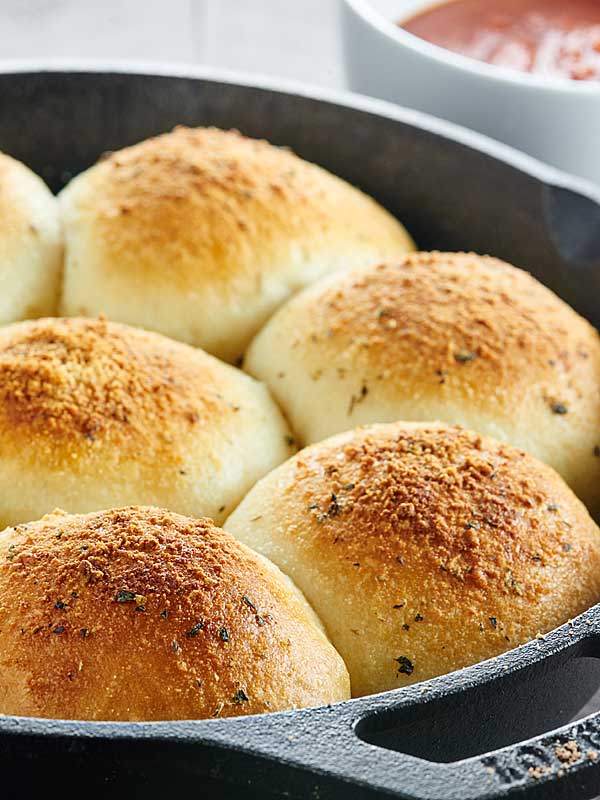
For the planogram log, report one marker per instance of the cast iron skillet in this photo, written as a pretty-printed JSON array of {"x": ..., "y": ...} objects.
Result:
[{"x": 477, "y": 733}]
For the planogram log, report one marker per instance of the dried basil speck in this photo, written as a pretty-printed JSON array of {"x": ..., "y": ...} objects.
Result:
[
  {"x": 239, "y": 698},
  {"x": 260, "y": 621},
  {"x": 419, "y": 617},
  {"x": 493, "y": 621},
  {"x": 58, "y": 629},
  {"x": 334, "y": 507},
  {"x": 125, "y": 596},
  {"x": 195, "y": 630},
  {"x": 249, "y": 603},
  {"x": 290, "y": 441},
  {"x": 597, "y": 451},
  {"x": 223, "y": 634},
  {"x": 405, "y": 626},
  {"x": 355, "y": 399},
  {"x": 84, "y": 633},
  {"x": 558, "y": 408},
  {"x": 464, "y": 356},
  {"x": 406, "y": 666},
  {"x": 164, "y": 613},
  {"x": 60, "y": 605}
]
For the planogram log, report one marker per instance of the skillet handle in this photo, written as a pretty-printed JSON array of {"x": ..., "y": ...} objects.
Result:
[
  {"x": 562, "y": 764},
  {"x": 319, "y": 753}
]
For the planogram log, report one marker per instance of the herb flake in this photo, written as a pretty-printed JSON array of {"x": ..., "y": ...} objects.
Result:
[{"x": 406, "y": 666}]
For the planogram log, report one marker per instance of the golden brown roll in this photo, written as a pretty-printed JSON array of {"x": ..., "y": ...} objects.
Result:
[
  {"x": 423, "y": 547},
  {"x": 201, "y": 233},
  {"x": 142, "y": 614},
  {"x": 441, "y": 336},
  {"x": 94, "y": 414},
  {"x": 30, "y": 244}
]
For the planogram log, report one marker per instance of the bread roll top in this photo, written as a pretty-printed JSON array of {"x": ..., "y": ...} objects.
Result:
[
  {"x": 94, "y": 413},
  {"x": 30, "y": 244},
  {"x": 211, "y": 231},
  {"x": 142, "y": 614},
  {"x": 441, "y": 336},
  {"x": 423, "y": 547}
]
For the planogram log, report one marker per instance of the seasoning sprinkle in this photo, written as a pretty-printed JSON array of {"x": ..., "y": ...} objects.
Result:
[
  {"x": 406, "y": 666},
  {"x": 355, "y": 399},
  {"x": 558, "y": 408},
  {"x": 224, "y": 634},
  {"x": 125, "y": 596},
  {"x": 493, "y": 621},
  {"x": 58, "y": 629},
  {"x": 195, "y": 630},
  {"x": 240, "y": 697},
  {"x": 249, "y": 603},
  {"x": 464, "y": 356}
]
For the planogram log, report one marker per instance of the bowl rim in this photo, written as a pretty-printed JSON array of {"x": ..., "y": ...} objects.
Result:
[
  {"x": 365, "y": 10},
  {"x": 511, "y": 156}
]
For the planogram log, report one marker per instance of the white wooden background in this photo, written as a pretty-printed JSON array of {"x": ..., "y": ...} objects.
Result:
[{"x": 290, "y": 38}]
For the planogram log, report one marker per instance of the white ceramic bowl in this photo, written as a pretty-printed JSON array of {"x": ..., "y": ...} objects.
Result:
[{"x": 556, "y": 120}]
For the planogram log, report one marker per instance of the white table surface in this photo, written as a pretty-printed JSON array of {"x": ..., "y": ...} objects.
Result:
[
  {"x": 296, "y": 39},
  {"x": 289, "y": 38}
]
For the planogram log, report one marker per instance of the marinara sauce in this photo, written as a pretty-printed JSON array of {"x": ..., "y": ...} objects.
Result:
[{"x": 558, "y": 38}]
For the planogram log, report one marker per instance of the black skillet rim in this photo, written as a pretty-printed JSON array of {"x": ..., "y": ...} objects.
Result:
[{"x": 232, "y": 734}]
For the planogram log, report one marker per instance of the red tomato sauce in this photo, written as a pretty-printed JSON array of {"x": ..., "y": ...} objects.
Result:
[{"x": 559, "y": 38}]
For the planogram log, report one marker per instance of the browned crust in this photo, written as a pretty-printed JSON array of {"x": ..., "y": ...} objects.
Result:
[
  {"x": 139, "y": 613},
  {"x": 427, "y": 542},
  {"x": 459, "y": 325},
  {"x": 230, "y": 205},
  {"x": 73, "y": 384}
]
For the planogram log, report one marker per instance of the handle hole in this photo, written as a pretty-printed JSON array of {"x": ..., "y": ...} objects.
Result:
[{"x": 508, "y": 709}]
